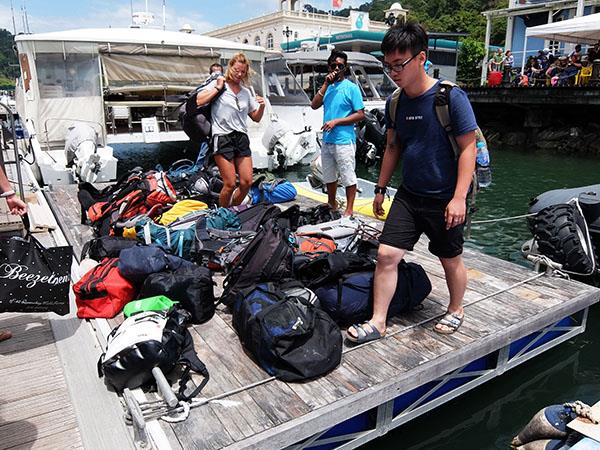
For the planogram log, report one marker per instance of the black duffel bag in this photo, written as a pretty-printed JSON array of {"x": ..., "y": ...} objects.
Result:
[
  {"x": 190, "y": 285},
  {"x": 349, "y": 299},
  {"x": 106, "y": 247},
  {"x": 287, "y": 334}
]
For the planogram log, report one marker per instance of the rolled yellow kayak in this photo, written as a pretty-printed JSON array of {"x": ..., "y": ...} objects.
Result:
[{"x": 362, "y": 206}]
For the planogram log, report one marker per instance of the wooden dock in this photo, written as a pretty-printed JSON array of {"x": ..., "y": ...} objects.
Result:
[
  {"x": 509, "y": 318},
  {"x": 51, "y": 397}
]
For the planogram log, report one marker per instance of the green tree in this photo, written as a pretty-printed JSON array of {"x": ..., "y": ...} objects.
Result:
[
  {"x": 459, "y": 16},
  {"x": 469, "y": 61},
  {"x": 9, "y": 64}
]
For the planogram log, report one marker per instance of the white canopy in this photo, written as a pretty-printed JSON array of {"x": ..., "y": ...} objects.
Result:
[{"x": 580, "y": 30}]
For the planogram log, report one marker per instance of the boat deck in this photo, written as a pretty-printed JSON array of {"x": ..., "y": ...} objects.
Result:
[{"x": 503, "y": 306}]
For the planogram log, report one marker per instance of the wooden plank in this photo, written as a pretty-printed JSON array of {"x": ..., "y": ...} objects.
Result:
[
  {"x": 224, "y": 342},
  {"x": 65, "y": 440},
  {"x": 24, "y": 339},
  {"x": 247, "y": 418},
  {"x": 585, "y": 426},
  {"x": 8, "y": 221},
  {"x": 96, "y": 407},
  {"x": 44, "y": 425},
  {"x": 34, "y": 405},
  {"x": 210, "y": 435}
]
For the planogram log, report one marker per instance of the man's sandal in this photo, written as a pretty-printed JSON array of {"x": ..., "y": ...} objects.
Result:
[
  {"x": 365, "y": 332},
  {"x": 451, "y": 321}
]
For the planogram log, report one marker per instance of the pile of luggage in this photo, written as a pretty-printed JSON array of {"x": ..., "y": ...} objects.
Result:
[{"x": 291, "y": 276}]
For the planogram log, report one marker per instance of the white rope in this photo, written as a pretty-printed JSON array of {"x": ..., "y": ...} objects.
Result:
[
  {"x": 424, "y": 321},
  {"x": 582, "y": 410},
  {"x": 181, "y": 416},
  {"x": 502, "y": 219}
]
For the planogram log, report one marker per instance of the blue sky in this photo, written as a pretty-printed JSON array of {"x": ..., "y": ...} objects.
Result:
[{"x": 203, "y": 15}]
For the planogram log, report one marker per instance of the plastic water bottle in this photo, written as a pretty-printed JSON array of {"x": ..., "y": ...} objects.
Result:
[{"x": 484, "y": 173}]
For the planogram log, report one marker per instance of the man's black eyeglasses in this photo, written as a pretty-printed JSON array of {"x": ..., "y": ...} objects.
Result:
[
  {"x": 337, "y": 66},
  {"x": 398, "y": 67}
]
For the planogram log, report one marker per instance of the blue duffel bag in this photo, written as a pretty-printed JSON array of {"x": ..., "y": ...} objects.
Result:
[
  {"x": 281, "y": 326},
  {"x": 349, "y": 300},
  {"x": 136, "y": 263},
  {"x": 276, "y": 191}
]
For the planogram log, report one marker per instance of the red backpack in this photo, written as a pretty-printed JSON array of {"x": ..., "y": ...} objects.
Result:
[
  {"x": 137, "y": 196},
  {"x": 160, "y": 189},
  {"x": 103, "y": 292}
]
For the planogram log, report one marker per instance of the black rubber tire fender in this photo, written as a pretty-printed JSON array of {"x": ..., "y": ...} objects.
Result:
[{"x": 560, "y": 234}]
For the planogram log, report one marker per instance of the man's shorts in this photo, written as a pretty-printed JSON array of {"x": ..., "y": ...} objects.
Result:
[
  {"x": 232, "y": 145},
  {"x": 339, "y": 158},
  {"x": 411, "y": 215}
]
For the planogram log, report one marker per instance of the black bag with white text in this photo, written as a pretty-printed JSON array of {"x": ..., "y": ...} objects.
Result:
[{"x": 34, "y": 278}]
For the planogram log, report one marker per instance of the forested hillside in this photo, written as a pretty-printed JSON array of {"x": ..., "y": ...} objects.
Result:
[
  {"x": 463, "y": 16},
  {"x": 9, "y": 68},
  {"x": 439, "y": 15}
]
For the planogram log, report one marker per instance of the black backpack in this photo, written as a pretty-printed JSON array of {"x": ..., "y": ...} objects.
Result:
[
  {"x": 195, "y": 120},
  {"x": 310, "y": 216},
  {"x": 253, "y": 217},
  {"x": 106, "y": 247},
  {"x": 190, "y": 285},
  {"x": 268, "y": 257},
  {"x": 329, "y": 267},
  {"x": 147, "y": 340},
  {"x": 289, "y": 337}
]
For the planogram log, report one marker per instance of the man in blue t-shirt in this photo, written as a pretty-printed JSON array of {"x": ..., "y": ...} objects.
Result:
[
  {"x": 343, "y": 107},
  {"x": 435, "y": 181}
]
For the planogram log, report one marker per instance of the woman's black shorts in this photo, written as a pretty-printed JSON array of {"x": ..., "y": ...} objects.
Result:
[
  {"x": 411, "y": 215},
  {"x": 232, "y": 145}
]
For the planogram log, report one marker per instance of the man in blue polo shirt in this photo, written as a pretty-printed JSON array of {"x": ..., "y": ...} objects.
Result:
[
  {"x": 343, "y": 107},
  {"x": 435, "y": 181}
]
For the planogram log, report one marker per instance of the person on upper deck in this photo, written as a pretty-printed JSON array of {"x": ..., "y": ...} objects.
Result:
[
  {"x": 232, "y": 103},
  {"x": 435, "y": 182},
  {"x": 215, "y": 69}
]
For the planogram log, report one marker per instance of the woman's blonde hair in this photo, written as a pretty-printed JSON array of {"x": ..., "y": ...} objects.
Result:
[{"x": 239, "y": 58}]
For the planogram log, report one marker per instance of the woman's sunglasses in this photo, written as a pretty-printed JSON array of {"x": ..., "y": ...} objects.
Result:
[{"x": 338, "y": 66}]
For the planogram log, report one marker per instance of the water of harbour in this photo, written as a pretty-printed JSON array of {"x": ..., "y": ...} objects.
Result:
[{"x": 490, "y": 415}]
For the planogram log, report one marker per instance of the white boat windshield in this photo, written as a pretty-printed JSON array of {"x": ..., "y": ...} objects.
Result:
[
  {"x": 296, "y": 81},
  {"x": 283, "y": 89}
]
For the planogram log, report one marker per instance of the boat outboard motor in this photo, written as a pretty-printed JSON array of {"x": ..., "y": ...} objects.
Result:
[
  {"x": 81, "y": 143},
  {"x": 285, "y": 147},
  {"x": 370, "y": 138}
]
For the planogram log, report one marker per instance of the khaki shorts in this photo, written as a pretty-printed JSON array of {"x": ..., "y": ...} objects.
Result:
[{"x": 339, "y": 159}]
